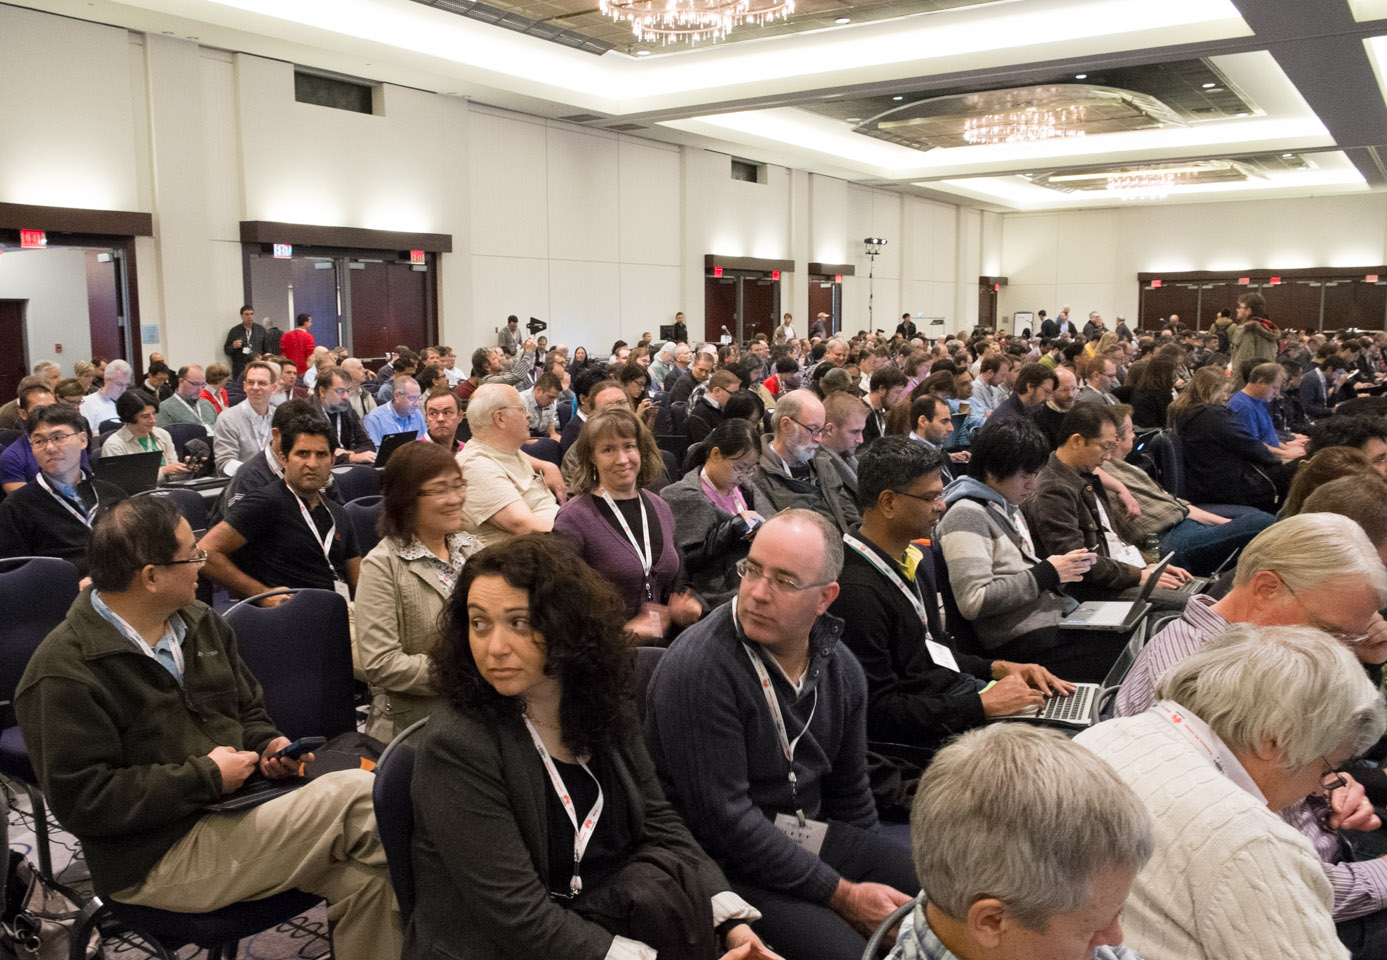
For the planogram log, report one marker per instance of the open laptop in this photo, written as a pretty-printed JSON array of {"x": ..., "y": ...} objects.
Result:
[
  {"x": 1197, "y": 584},
  {"x": 392, "y": 442},
  {"x": 1116, "y": 614},
  {"x": 132, "y": 472}
]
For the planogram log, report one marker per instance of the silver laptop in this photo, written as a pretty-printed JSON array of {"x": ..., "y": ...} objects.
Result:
[
  {"x": 1075, "y": 710},
  {"x": 1116, "y": 614},
  {"x": 1197, "y": 584}
]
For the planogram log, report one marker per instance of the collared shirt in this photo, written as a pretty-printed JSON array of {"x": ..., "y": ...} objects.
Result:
[
  {"x": 168, "y": 652},
  {"x": 445, "y": 573},
  {"x": 1178, "y": 640},
  {"x": 383, "y": 421},
  {"x": 916, "y": 941},
  {"x": 541, "y": 418},
  {"x": 1255, "y": 417},
  {"x": 98, "y": 408},
  {"x": 986, "y": 396}
]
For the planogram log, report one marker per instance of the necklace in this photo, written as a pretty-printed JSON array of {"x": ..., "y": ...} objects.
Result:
[{"x": 540, "y": 723}]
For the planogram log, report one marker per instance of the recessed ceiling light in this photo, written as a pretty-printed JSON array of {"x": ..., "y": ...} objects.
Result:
[
  {"x": 1210, "y": 86},
  {"x": 1287, "y": 156},
  {"x": 843, "y": 20},
  {"x": 642, "y": 53},
  {"x": 1080, "y": 76},
  {"x": 859, "y": 120},
  {"x": 1243, "y": 114},
  {"x": 898, "y": 98}
]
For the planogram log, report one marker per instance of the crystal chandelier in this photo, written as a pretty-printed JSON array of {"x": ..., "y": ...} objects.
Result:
[
  {"x": 1024, "y": 126},
  {"x": 670, "y": 21},
  {"x": 1142, "y": 184}
]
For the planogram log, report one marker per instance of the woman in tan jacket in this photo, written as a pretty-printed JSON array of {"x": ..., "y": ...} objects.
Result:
[{"x": 406, "y": 581}]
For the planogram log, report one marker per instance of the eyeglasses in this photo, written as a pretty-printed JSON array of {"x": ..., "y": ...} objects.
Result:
[
  {"x": 1332, "y": 779},
  {"x": 814, "y": 432},
  {"x": 444, "y": 489},
  {"x": 933, "y": 498},
  {"x": 201, "y": 558},
  {"x": 1107, "y": 447},
  {"x": 752, "y": 571},
  {"x": 38, "y": 443},
  {"x": 1338, "y": 633}
]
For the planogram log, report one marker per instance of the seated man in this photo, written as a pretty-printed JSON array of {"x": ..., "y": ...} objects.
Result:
[
  {"x": 540, "y": 406},
  {"x": 1032, "y": 388},
  {"x": 1087, "y": 837},
  {"x": 932, "y": 426},
  {"x": 887, "y": 386},
  {"x": 1050, "y": 414},
  {"x": 1099, "y": 381},
  {"x": 443, "y": 414},
  {"x": 1364, "y": 432},
  {"x": 793, "y": 473},
  {"x": 705, "y": 413},
  {"x": 398, "y": 415},
  {"x": 506, "y": 495},
  {"x": 587, "y": 386},
  {"x": 331, "y": 401},
  {"x": 266, "y": 468},
  {"x": 17, "y": 463},
  {"x": 100, "y": 407},
  {"x": 52, "y": 516},
  {"x": 1071, "y": 511},
  {"x": 920, "y": 691},
  {"x": 845, "y": 418},
  {"x": 244, "y": 429},
  {"x": 1263, "y": 385},
  {"x": 1200, "y": 540},
  {"x": 287, "y": 534},
  {"x": 125, "y": 764},
  {"x": 187, "y": 404},
  {"x": 756, "y": 719}
]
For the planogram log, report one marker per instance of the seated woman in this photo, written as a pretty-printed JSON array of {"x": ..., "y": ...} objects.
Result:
[
  {"x": 1153, "y": 387},
  {"x": 137, "y": 411},
  {"x": 1329, "y": 463},
  {"x": 715, "y": 514},
  {"x": 1223, "y": 463},
  {"x": 537, "y": 809},
  {"x": 626, "y": 535},
  {"x": 1215, "y": 760},
  {"x": 1011, "y": 596},
  {"x": 405, "y": 583},
  {"x": 215, "y": 391}
]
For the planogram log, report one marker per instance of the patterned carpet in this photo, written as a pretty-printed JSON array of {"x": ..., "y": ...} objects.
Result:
[{"x": 304, "y": 938}]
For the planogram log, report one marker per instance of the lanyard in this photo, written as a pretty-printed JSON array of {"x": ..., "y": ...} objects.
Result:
[
  {"x": 1199, "y": 733},
  {"x": 737, "y": 502},
  {"x": 581, "y": 833},
  {"x": 194, "y": 408},
  {"x": 871, "y": 556},
  {"x": 787, "y": 745},
  {"x": 85, "y": 518},
  {"x": 646, "y": 556},
  {"x": 324, "y": 541}
]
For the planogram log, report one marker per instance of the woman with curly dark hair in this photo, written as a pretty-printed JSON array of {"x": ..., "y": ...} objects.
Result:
[{"x": 540, "y": 826}]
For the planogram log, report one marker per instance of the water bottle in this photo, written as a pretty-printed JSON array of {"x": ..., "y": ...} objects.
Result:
[{"x": 1151, "y": 548}]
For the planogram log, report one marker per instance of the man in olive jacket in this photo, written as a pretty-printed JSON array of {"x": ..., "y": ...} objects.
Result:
[{"x": 138, "y": 713}]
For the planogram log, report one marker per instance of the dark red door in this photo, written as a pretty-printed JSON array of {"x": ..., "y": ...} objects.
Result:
[
  {"x": 103, "y": 307},
  {"x": 822, "y": 299},
  {"x": 719, "y": 306},
  {"x": 389, "y": 308},
  {"x": 12, "y": 361},
  {"x": 759, "y": 303}
]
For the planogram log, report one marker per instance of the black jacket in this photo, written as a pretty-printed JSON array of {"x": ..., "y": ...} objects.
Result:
[
  {"x": 257, "y": 339},
  {"x": 1223, "y": 462},
  {"x": 34, "y": 524},
  {"x": 348, "y": 433},
  {"x": 703, "y": 418},
  {"x": 1064, "y": 516},
  {"x": 1149, "y": 408}
]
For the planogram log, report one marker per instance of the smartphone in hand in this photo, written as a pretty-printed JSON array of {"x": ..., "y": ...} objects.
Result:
[{"x": 299, "y": 747}]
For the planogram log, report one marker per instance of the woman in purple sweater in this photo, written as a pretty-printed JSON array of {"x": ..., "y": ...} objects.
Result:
[{"x": 625, "y": 534}]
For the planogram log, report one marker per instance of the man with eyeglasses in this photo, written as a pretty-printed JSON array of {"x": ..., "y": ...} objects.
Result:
[
  {"x": 756, "y": 719},
  {"x": 920, "y": 690},
  {"x": 332, "y": 401},
  {"x": 100, "y": 407},
  {"x": 52, "y": 516},
  {"x": 398, "y": 415},
  {"x": 506, "y": 495},
  {"x": 1071, "y": 511},
  {"x": 794, "y": 472},
  {"x": 1097, "y": 388},
  {"x": 244, "y": 429},
  {"x": 139, "y": 713},
  {"x": 17, "y": 464},
  {"x": 187, "y": 405}
]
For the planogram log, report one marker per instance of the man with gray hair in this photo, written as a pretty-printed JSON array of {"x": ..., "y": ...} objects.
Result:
[
  {"x": 101, "y": 406},
  {"x": 794, "y": 472},
  {"x": 756, "y": 720},
  {"x": 358, "y": 399},
  {"x": 1027, "y": 845},
  {"x": 1249, "y": 725},
  {"x": 663, "y": 364},
  {"x": 506, "y": 496},
  {"x": 49, "y": 372}
]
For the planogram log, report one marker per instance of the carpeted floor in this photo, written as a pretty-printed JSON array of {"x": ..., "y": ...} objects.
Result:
[{"x": 304, "y": 938}]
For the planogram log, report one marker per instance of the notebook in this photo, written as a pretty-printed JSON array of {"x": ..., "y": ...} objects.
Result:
[
  {"x": 1116, "y": 614},
  {"x": 132, "y": 472}
]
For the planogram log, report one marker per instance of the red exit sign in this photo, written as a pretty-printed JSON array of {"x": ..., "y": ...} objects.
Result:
[
  {"x": 416, "y": 256},
  {"x": 284, "y": 251},
  {"x": 33, "y": 239}
]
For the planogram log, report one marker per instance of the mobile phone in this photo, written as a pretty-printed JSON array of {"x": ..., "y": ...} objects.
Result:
[{"x": 299, "y": 747}]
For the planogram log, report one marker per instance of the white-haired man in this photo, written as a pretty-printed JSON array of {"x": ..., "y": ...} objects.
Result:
[
  {"x": 791, "y": 471},
  {"x": 101, "y": 406},
  {"x": 506, "y": 495}
]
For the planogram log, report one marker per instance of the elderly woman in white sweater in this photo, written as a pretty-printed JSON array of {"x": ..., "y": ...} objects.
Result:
[{"x": 1257, "y": 720}]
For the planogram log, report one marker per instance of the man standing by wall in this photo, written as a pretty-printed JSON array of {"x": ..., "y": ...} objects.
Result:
[{"x": 245, "y": 341}]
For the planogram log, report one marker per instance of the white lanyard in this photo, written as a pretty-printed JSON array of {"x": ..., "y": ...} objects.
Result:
[
  {"x": 324, "y": 541},
  {"x": 67, "y": 504},
  {"x": 194, "y": 408},
  {"x": 870, "y": 555},
  {"x": 647, "y": 556},
  {"x": 581, "y": 833},
  {"x": 1199, "y": 733},
  {"x": 787, "y": 745},
  {"x": 175, "y": 648}
]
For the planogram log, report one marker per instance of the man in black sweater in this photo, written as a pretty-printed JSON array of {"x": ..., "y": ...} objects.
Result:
[
  {"x": 52, "y": 516},
  {"x": 920, "y": 691}
]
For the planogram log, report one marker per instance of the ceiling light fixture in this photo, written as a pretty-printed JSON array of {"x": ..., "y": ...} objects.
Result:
[
  {"x": 1080, "y": 76},
  {"x": 672, "y": 21},
  {"x": 1210, "y": 86},
  {"x": 1142, "y": 184},
  {"x": 843, "y": 20},
  {"x": 1025, "y": 126}
]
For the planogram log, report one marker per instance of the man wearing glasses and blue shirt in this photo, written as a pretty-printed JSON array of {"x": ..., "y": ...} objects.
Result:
[
  {"x": 51, "y": 517},
  {"x": 400, "y": 415},
  {"x": 794, "y": 472}
]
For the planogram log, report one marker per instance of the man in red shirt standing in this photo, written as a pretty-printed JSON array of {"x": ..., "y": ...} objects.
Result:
[{"x": 298, "y": 343}]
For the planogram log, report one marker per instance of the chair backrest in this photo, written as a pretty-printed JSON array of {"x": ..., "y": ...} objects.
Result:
[
  {"x": 1169, "y": 463},
  {"x": 960, "y": 630},
  {"x": 301, "y": 653},
  {"x": 35, "y": 593},
  {"x": 109, "y": 426},
  {"x": 189, "y": 503},
  {"x": 181, "y": 433},
  {"x": 647, "y": 659},
  {"x": 357, "y": 481},
  {"x": 394, "y": 803},
  {"x": 363, "y": 514}
]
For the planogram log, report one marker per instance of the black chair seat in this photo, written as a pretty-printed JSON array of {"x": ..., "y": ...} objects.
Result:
[
  {"x": 14, "y": 756},
  {"x": 229, "y": 924}
]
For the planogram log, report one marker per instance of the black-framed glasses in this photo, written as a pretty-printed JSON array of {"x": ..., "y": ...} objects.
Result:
[
  {"x": 199, "y": 559},
  {"x": 38, "y": 443},
  {"x": 1332, "y": 779},
  {"x": 814, "y": 432},
  {"x": 932, "y": 499},
  {"x": 751, "y": 571}
]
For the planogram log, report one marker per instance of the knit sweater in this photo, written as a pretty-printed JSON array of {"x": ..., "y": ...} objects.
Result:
[
  {"x": 1004, "y": 589},
  {"x": 1229, "y": 879}
]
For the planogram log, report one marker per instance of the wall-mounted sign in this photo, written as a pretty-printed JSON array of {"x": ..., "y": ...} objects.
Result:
[
  {"x": 1244, "y": 281},
  {"x": 1155, "y": 284},
  {"x": 416, "y": 256},
  {"x": 33, "y": 239},
  {"x": 284, "y": 251},
  {"x": 1371, "y": 278}
]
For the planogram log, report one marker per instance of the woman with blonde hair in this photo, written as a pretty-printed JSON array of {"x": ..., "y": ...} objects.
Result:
[{"x": 1328, "y": 464}]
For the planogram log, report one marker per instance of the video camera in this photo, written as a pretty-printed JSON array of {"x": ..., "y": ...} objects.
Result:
[{"x": 536, "y": 326}]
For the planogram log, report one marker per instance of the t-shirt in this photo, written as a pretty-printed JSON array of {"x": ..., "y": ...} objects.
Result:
[
  {"x": 1255, "y": 418},
  {"x": 495, "y": 480},
  {"x": 280, "y": 551}
]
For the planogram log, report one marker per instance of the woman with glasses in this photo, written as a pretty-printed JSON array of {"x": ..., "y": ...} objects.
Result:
[
  {"x": 70, "y": 391},
  {"x": 626, "y": 534},
  {"x": 137, "y": 411},
  {"x": 1216, "y": 760},
  {"x": 716, "y": 512},
  {"x": 540, "y": 826},
  {"x": 406, "y": 581}
]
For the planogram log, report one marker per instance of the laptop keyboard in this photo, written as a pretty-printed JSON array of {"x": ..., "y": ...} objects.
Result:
[{"x": 1076, "y": 707}]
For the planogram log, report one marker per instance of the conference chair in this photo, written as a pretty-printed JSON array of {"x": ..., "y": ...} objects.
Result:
[
  {"x": 181, "y": 433},
  {"x": 959, "y": 628},
  {"x": 301, "y": 653},
  {"x": 900, "y": 913},
  {"x": 109, "y": 426},
  {"x": 391, "y": 795},
  {"x": 35, "y": 593},
  {"x": 357, "y": 481},
  {"x": 363, "y": 514},
  {"x": 190, "y": 504}
]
